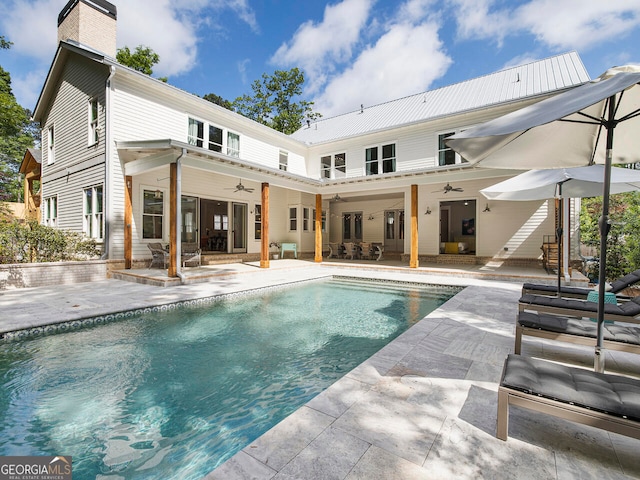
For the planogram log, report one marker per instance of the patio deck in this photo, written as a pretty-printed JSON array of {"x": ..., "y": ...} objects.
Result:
[{"x": 422, "y": 407}]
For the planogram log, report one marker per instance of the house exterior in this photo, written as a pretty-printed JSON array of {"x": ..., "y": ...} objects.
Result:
[{"x": 119, "y": 149}]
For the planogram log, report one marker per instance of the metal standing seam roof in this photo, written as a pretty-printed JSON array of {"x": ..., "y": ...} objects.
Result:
[{"x": 513, "y": 84}]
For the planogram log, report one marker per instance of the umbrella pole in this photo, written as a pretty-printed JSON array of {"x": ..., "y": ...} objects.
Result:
[
  {"x": 604, "y": 232},
  {"x": 559, "y": 236}
]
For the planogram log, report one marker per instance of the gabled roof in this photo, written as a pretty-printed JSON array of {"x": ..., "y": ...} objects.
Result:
[
  {"x": 529, "y": 81},
  {"x": 31, "y": 161}
]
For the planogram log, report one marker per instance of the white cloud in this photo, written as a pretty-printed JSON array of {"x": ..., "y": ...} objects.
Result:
[
  {"x": 565, "y": 25},
  {"x": 403, "y": 61},
  {"x": 317, "y": 47}
]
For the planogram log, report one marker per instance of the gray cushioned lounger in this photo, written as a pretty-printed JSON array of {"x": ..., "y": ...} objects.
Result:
[
  {"x": 610, "y": 402},
  {"x": 623, "y": 312},
  {"x": 616, "y": 337},
  {"x": 581, "y": 292}
]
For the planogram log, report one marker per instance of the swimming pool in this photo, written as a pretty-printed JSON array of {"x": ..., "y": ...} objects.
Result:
[{"x": 174, "y": 393}]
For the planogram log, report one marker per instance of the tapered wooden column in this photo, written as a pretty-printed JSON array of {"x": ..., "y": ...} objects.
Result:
[
  {"x": 264, "y": 239},
  {"x": 318, "y": 220},
  {"x": 173, "y": 219},
  {"x": 413, "y": 262},
  {"x": 128, "y": 222}
]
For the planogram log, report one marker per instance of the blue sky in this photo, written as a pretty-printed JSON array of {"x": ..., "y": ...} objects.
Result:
[{"x": 352, "y": 51}]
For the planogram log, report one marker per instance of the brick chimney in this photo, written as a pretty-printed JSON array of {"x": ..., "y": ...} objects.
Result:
[{"x": 91, "y": 23}]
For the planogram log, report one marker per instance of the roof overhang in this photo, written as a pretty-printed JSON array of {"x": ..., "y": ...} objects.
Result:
[{"x": 147, "y": 155}]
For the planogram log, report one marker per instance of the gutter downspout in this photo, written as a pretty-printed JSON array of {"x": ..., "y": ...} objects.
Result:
[
  {"x": 107, "y": 163},
  {"x": 179, "y": 214}
]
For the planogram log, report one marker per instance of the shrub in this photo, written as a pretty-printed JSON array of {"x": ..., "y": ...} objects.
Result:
[{"x": 26, "y": 242}]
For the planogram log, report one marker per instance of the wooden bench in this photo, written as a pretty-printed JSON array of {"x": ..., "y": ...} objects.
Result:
[
  {"x": 289, "y": 247},
  {"x": 601, "y": 400}
]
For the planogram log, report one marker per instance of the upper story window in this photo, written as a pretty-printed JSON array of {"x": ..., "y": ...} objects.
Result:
[
  {"x": 92, "y": 215},
  {"x": 51, "y": 146},
  {"x": 333, "y": 166},
  {"x": 233, "y": 144},
  {"x": 51, "y": 211},
  {"x": 446, "y": 155},
  {"x": 215, "y": 138},
  {"x": 380, "y": 159},
  {"x": 196, "y": 132},
  {"x": 93, "y": 122},
  {"x": 283, "y": 163},
  {"x": 152, "y": 214}
]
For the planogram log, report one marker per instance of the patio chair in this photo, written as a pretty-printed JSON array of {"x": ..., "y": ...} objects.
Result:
[
  {"x": 191, "y": 255},
  {"x": 575, "y": 330},
  {"x": 582, "y": 292},
  {"x": 573, "y": 307},
  {"x": 606, "y": 401},
  {"x": 335, "y": 250},
  {"x": 365, "y": 250},
  {"x": 159, "y": 256},
  {"x": 350, "y": 250},
  {"x": 378, "y": 249}
]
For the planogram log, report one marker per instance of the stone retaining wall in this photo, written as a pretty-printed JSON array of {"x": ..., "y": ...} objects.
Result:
[{"x": 24, "y": 275}]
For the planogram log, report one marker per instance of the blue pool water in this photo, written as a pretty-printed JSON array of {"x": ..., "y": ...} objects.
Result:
[{"x": 174, "y": 394}]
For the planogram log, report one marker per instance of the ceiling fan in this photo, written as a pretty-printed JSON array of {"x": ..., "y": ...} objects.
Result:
[
  {"x": 241, "y": 188},
  {"x": 337, "y": 198},
  {"x": 448, "y": 188}
]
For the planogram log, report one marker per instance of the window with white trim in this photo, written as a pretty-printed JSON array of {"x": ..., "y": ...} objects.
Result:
[
  {"x": 380, "y": 159},
  {"x": 215, "y": 138},
  {"x": 258, "y": 221},
  {"x": 92, "y": 215},
  {"x": 446, "y": 155},
  {"x": 333, "y": 166},
  {"x": 196, "y": 132},
  {"x": 233, "y": 144},
  {"x": 152, "y": 214},
  {"x": 51, "y": 211},
  {"x": 51, "y": 146},
  {"x": 293, "y": 218},
  {"x": 305, "y": 218},
  {"x": 283, "y": 163},
  {"x": 93, "y": 122},
  {"x": 221, "y": 222}
]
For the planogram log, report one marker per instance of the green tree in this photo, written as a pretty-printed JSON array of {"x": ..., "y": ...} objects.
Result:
[
  {"x": 275, "y": 101},
  {"x": 142, "y": 60},
  {"x": 623, "y": 244},
  {"x": 17, "y": 133},
  {"x": 218, "y": 100}
]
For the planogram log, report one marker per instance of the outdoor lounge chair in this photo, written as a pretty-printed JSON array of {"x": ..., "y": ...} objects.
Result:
[
  {"x": 191, "y": 255},
  {"x": 159, "y": 256},
  {"x": 581, "y": 292},
  {"x": 606, "y": 401},
  {"x": 572, "y": 307},
  {"x": 575, "y": 330}
]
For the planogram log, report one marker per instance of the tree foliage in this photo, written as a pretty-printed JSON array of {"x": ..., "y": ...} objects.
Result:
[
  {"x": 142, "y": 59},
  {"x": 17, "y": 133},
  {"x": 623, "y": 243},
  {"x": 218, "y": 100},
  {"x": 275, "y": 101}
]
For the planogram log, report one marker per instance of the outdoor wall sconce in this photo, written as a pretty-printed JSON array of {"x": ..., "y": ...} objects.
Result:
[
  {"x": 486, "y": 208},
  {"x": 428, "y": 212},
  {"x": 371, "y": 216}
]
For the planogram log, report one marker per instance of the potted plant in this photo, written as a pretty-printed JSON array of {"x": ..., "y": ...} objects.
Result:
[{"x": 276, "y": 246}]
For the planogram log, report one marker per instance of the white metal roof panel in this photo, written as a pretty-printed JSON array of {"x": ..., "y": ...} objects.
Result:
[{"x": 509, "y": 85}]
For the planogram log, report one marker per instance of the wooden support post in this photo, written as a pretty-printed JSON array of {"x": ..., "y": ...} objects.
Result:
[
  {"x": 128, "y": 222},
  {"x": 264, "y": 240},
  {"x": 318, "y": 220},
  {"x": 413, "y": 262},
  {"x": 173, "y": 220}
]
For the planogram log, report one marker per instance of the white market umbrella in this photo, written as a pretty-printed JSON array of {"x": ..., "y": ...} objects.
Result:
[
  {"x": 576, "y": 182},
  {"x": 597, "y": 122}
]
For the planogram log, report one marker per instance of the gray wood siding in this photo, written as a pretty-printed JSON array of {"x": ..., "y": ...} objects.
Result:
[{"x": 77, "y": 164}]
